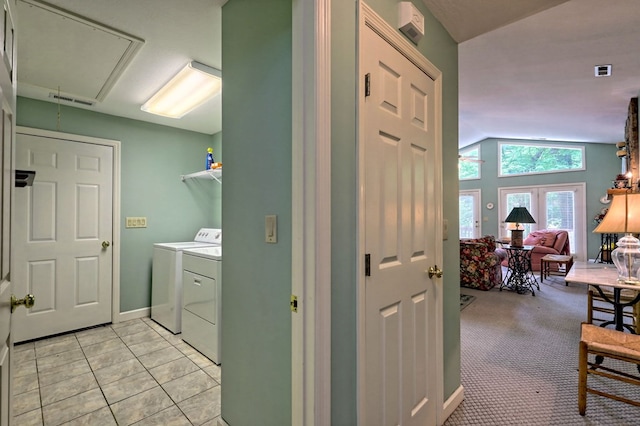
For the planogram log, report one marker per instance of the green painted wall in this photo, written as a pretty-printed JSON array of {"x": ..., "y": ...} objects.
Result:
[
  {"x": 343, "y": 215},
  {"x": 256, "y": 118},
  {"x": 602, "y": 166},
  {"x": 153, "y": 158},
  {"x": 442, "y": 51},
  {"x": 256, "y": 325}
]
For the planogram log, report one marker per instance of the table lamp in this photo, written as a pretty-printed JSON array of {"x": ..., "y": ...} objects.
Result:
[
  {"x": 518, "y": 215},
  {"x": 624, "y": 216}
]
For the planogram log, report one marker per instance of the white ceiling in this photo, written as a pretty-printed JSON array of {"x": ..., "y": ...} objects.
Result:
[
  {"x": 526, "y": 66},
  {"x": 534, "y": 78},
  {"x": 173, "y": 34}
]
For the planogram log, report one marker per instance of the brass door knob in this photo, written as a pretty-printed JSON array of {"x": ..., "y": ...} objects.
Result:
[
  {"x": 105, "y": 244},
  {"x": 28, "y": 301},
  {"x": 435, "y": 271}
]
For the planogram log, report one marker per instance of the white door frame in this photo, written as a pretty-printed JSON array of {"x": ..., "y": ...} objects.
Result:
[
  {"x": 368, "y": 17},
  {"x": 115, "y": 244},
  {"x": 311, "y": 226}
]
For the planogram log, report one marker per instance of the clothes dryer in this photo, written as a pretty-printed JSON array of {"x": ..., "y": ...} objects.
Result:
[
  {"x": 202, "y": 292},
  {"x": 166, "y": 280}
]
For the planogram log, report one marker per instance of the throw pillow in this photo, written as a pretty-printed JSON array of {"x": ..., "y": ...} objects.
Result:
[
  {"x": 549, "y": 239},
  {"x": 534, "y": 239}
]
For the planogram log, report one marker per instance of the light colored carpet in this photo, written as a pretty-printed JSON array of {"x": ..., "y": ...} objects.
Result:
[{"x": 520, "y": 361}]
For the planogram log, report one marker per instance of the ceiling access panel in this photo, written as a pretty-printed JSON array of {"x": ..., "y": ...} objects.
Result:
[{"x": 70, "y": 54}]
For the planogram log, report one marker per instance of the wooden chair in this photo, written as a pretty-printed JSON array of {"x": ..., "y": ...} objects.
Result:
[
  {"x": 602, "y": 306},
  {"x": 605, "y": 343}
]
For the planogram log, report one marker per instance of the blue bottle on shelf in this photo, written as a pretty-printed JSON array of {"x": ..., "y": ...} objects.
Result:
[{"x": 210, "y": 160}]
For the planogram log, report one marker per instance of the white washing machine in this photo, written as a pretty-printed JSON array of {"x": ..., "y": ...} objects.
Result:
[
  {"x": 166, "y": 279},
  {"x": 202, "y": 295}
]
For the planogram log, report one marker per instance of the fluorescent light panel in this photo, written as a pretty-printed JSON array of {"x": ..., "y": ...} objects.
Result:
[{"x": 195, "y": 84}]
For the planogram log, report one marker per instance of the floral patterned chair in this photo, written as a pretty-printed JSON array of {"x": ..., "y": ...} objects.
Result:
[{"x": 479, "y": 263}]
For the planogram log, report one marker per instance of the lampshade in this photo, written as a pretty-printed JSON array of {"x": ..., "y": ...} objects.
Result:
[
  {"x": 519, "y": 215},
  {"x": 624, "y": 216},
  {"x": 195, "y": 84}
]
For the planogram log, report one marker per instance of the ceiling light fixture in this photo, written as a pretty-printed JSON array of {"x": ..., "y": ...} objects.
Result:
[{"x": 195, "y": 84}]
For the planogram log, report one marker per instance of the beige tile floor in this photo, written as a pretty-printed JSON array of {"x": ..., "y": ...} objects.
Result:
[{"x": 133, "y": 372}]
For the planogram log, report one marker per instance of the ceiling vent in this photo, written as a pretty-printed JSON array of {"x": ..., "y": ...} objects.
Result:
[
  {"x": 603, "y": 70},
  {"x": 71, "y": 100}
]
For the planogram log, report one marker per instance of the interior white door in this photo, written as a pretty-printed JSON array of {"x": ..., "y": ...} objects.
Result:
[
  {"x": 63, "y": 233},
  {"x": 8, "y": 88},
  {"x": 400, "y": 224},
  {"x": 6, "y": 290}
]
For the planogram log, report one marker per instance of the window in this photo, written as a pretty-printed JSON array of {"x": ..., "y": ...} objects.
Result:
[
  {"x": 469, "y": 164},
  {"x": 524, "y": 159}
]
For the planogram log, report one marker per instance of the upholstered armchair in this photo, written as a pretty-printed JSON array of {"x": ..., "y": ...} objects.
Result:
[
  {"x": 479, "y": 263},
  {"x": 544, "y": 242}
]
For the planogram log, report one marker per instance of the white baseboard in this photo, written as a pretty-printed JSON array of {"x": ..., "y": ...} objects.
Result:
[
  {"x": 452, "y": 403},
  {"x": 222, "y": 422},
  {"x": 129, "y": 315}
]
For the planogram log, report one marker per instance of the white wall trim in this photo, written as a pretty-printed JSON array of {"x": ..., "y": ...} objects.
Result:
[
  {"x": 452, "y": 403},
  {"x": 368, "y": 17},
  {"x": 134, "y": 314},
  {"x": 311, "y": 225},
  {"x": 115, "y": 223}
]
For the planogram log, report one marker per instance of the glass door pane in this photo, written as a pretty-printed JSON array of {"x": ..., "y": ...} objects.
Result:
[
  {"x": 521, "y": 199},
  {"x": 469, "y": 214},
  {"x": 560, "y": 213}
]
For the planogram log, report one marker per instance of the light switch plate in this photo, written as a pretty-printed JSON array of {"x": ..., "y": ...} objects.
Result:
[
  {"x": 271, "y": 228},
  {"x": 136, "y": 222}
]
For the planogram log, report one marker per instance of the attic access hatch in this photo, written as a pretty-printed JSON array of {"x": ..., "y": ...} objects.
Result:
[{"x": 77, "y": 56}]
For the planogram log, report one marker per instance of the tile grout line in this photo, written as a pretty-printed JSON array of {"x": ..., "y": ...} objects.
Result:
[{"x": 77, "y": 340}]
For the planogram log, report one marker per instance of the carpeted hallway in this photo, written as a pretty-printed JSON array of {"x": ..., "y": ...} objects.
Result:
[{"x": 520, "y": 361}]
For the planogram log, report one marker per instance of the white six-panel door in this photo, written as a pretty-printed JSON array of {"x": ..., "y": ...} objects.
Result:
[
  {"x": 400, "y": 238},
  {"x": 6, "y": 288},
  {"x": 63, "y": 234}
]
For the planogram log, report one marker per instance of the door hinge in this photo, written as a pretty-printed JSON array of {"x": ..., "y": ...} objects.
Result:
[
  {"x": 294, "y": 303},
  {"x": 367, "y": 84},
  {"x": 367, "y": 265}
]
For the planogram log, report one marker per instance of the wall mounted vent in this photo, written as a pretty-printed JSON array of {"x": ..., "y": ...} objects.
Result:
[
  {"x": 603, "y": 70},
  {"x": 70, "y": 99}
]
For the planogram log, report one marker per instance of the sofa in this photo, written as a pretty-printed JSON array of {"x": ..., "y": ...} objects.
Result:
[
  {"x": 546, "y": 241},
  {"x": 479, "y": 263}
]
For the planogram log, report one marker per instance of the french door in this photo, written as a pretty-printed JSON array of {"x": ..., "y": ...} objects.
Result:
[
  {"x": 470, "y": 224},
  {"x": 552, "y": 207}
]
